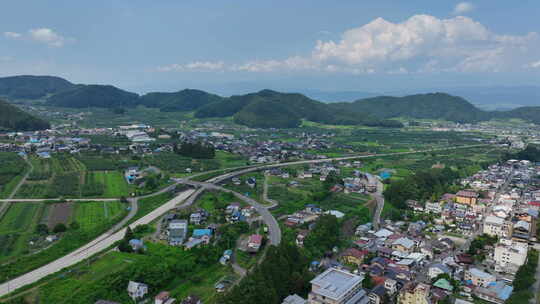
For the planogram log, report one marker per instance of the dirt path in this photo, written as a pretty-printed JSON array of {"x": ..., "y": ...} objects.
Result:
[{"x": 5, "y": 206}]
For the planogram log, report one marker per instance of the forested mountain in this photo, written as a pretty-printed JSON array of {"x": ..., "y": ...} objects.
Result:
[
  {"x": 32, "y": 87},
  {"x": 422, "y": 106},
  {"x": 13, "y": 118},
  {"x": 264, "y": 109},
  {"x": 105, "y": 96},
  {"x": 531, "y": 114},
  {"x": 267, "y": 109},
  {"x": 185, "y": 100}
]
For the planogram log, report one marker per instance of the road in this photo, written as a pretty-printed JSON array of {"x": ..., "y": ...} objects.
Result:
[
  {"x": 97, "y": 245},
  {"x": 274, "y": 231},
  {"x": 273, "y": 203},
  {"x": 109, "y": 238},
  {"x": 4, "y": 207},
  {"x": 379, "y": 199}
]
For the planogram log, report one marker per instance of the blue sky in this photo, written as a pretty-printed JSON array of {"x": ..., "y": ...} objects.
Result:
[{"x": 235, "y": 46}]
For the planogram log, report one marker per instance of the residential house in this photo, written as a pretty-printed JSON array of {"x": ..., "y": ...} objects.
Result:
[
  {"x": 354, "y": 256},
  {"x": 203, "y": 234},
  {"x": 254, "y": 243},
  {"x": 403, "y": 244},
  {"x": 294, "y": 299},
  {"x": 467, "y": 197},
  {"x": 478, "y": 277},
  {"x": 164, "y": 297},
  {"x": 191, "y": 300},
  {"x": 177, "y": 232},
  {"x": 136, "y": 290},
  {"x": 414, "y": 293},
  {"x": 437, "y": 269},
  {"x": 376, "y": 295},
  {"x": 496, "y": 292}
]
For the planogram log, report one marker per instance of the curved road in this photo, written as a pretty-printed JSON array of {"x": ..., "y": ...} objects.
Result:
[
  {"x": 109, "y": 238},
  {"x": 101, "y": 243}
]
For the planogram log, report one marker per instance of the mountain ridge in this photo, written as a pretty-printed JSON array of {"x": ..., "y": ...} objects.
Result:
[
  {"x": 13, "y": 118},
  {"x": 265, "y": 108}
]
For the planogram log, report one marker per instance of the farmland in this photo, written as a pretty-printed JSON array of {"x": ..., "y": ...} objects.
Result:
[
  {"x": 67, "y": 176},
  {"x": 90, "y": 215},
  {"x": 94, "y": 218},
  {"x": 17, "y": 227},
  {"x": 12, "y": 169}
]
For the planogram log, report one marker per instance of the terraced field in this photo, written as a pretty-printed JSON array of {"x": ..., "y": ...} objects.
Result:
[{"x": 17, "y": 227}]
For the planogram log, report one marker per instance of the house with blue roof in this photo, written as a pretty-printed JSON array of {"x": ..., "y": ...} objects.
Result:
[
  {"x": 202, "y": 234},
  {"x": 495, "y": 292}
]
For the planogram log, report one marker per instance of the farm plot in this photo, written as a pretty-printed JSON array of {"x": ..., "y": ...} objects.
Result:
[
  {"x": 90, "y": 215},
  {"x": 42, "y": 169},
  {"x": 12, "y": 169},
  {"x": 33, "y": 190},
  {"x": 59, "y": 214},
  {"x": 17, "y": 227},
  {"x": 105, "y": 184}
]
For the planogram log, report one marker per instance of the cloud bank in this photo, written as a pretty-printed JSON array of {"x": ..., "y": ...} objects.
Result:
[
  {"x": 463, "y": 7},
  {"x": 420, "y": 44},
  {"x": 45, "y": 36}
]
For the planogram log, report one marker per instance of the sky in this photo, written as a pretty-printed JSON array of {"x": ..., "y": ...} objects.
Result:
[{"x": 236, "y": 46}]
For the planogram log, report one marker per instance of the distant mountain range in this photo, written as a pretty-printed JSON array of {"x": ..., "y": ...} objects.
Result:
[
  {"x": 265, "y": 109},
  {"x": 13, "y": 118},
  {"x": 484, "y": 97}
]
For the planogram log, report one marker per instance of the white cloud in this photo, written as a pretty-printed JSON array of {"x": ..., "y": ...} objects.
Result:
[
  {"x": 47, "y": 36},
  {"x": 463, "y": 8},
  {"x": 42, "y": 35},
  {"x": 533, "y": 65},
  {"x": 200, "y": 66},
  {"x": 12, "y": 35},
  {"x": 420, "y": 44}
]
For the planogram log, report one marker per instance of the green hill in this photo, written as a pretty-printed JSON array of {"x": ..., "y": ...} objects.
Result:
[
  {"x": 104, "y": 96},
  {"x": 185, "y": 100},
  {"x": 32, "y": 87},
  {"x": 13, "y": 118},
  {"x": 531, "y": 114},
  {"x": 421, "y": 106},
  {"x": 270, "y": 109}
]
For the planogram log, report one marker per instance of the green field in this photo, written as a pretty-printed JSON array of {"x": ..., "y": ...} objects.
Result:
[
  {"x": 12, "y": 170},
  {"x": 17, "y": 227},
  {"x": 107, "y": 184},
  {"x": 95, "y": 214}
]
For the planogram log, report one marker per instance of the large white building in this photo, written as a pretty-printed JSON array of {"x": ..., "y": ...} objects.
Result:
[
  {"x": 336, "y": 286},
  {"x": 510, "y": 252},
  {"x": 496, "y": 226}
]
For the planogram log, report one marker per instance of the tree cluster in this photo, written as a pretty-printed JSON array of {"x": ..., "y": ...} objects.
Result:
[
  {"x": 195, "y": 150},
  {"x": 422, "y": 185},
  {"x": 283, "y": 272},
  {"x": 525, "y": 278}
]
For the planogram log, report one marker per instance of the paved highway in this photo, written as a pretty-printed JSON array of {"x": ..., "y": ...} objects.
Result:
[
  {"x": 108, "y": 239},
  {"x": 274, "y": 231},
  {"x": 101, "y": 243}
]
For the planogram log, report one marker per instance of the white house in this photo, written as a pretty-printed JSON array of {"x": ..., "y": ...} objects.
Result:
[{"x": 137, "y": 290}]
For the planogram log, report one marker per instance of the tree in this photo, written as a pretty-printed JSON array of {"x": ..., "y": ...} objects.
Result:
[
  {"x": 59, "y": 228},
  {"x": 368, "y": 283},
  {"x": 74, "y": 225},
  {"x": 42, "y": 229}
]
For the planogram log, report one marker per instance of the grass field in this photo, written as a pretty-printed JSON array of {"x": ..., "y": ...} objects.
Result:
[
  {"x": 17, "y": 227},
  {"x": 203, "y": 288},
  {"x": 109, "y": 183},
  {"x": 94, "y": 214}
]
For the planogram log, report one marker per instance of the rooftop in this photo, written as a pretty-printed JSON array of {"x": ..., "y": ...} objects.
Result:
[{"x": 335, "y": 283}]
